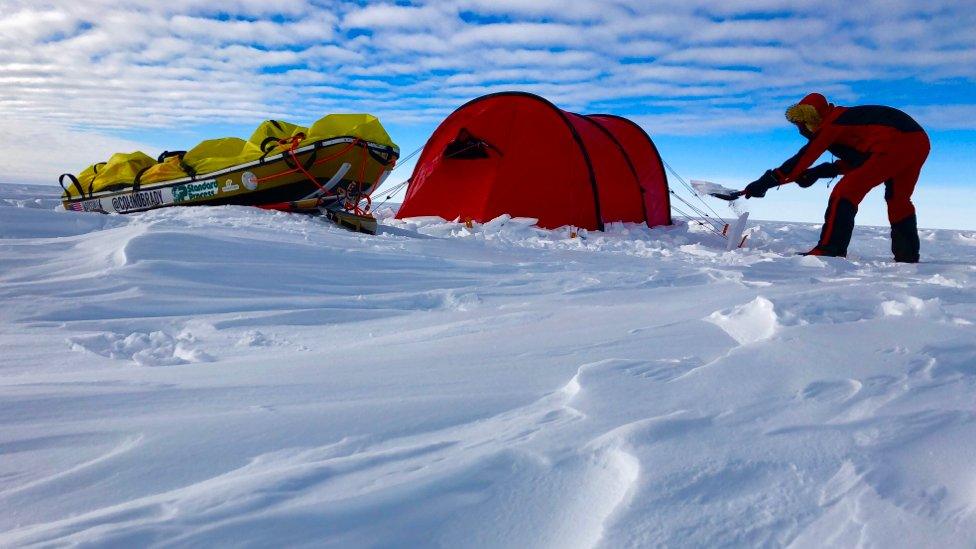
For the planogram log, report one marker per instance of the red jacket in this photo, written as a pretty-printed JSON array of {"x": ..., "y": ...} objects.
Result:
[{"x": 852, "y": 134}]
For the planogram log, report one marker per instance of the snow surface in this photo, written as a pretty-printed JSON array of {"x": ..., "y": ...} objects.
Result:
[{"x": 231, "y": 376}]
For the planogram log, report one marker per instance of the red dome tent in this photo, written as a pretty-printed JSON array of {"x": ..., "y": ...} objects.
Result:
[{"x": 516, "y": 153}]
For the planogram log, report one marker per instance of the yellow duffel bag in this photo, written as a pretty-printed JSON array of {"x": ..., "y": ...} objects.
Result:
[
  {"x": 216, "y": 154},
  {"x": 364, "y": 126},
  {"x": 120, "y": 171},
  {"x": 168, "y": 168},
  {"x": 268, "y": 135}
]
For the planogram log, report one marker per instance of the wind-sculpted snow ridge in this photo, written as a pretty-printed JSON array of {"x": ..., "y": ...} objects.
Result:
[
  {"x": 230, "y": 376},
  {"x": 748, "y": 323}
]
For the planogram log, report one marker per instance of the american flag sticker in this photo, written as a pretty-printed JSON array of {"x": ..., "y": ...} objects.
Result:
[{"x": 94, "y": 205}]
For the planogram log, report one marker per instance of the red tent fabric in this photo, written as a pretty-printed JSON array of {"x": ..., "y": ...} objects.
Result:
[{"x": 516, "y": 153}]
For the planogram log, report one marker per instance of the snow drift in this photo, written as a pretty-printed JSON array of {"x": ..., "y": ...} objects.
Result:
[{"x": 225, "y": 375}]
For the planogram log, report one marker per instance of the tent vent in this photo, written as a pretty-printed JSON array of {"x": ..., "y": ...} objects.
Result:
[{"x": 467, "y": 147}]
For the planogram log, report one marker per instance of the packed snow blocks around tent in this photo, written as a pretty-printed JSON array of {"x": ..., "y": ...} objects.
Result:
[
  {"x": 331, "y": 168},
  {"x": 516, "y": 153}
]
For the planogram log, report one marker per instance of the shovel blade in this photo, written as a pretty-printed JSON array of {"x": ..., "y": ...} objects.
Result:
[{"x": 729, "y": 197}]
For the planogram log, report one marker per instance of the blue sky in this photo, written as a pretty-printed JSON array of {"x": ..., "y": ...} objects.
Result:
[{"x": 709, "y": 80}]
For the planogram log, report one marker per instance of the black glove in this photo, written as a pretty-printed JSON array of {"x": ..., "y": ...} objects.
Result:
[
  {"x": 820, "y": 171},
  {"x": 759, "y": 187}
]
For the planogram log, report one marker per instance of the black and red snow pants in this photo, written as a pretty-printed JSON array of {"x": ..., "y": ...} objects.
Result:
[{"x": 897, "y": 168}]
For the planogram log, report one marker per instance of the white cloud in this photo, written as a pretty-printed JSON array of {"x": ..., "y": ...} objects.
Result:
[
  {"x": 65, "y": 150},
  {"x": 317, "y": 27},
  {"x": 541, "y": 57},
  {"x": 144, "y": 63},
  {"x": 554, "y": 9},
  {"x": 380, "y": 16},
  {"x": 522, "y": 75},
  {"x": 522, "y": 34},
  {"x": 751, "y": 56},
  {"x": 27, "y": 26},
  {"x": 780, "y": 30},
  {"x": 708, "y": 120},
  {"x": 407, "y": 44},
  {"x": 945, "y": 117}
]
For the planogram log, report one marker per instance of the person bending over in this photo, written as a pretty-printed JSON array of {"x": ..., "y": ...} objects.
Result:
[{"x": 873, "y": 145}]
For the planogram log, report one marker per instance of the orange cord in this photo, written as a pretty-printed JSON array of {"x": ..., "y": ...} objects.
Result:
[
  {"x": 317, "y": 162},
  {"x": 294, "y": 145},
  {"x": 348, "y": 205}
]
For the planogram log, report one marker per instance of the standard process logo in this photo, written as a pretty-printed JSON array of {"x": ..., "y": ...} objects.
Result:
[{"x": 194, "y": 191}]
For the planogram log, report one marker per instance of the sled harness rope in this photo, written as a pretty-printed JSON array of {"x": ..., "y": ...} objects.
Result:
[{"x": 399, "y": 186}]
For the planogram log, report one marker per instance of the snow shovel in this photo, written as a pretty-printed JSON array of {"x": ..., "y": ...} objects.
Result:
[
  {"x": 716, "y": 190},
  {"x": 728, "y": 196}
]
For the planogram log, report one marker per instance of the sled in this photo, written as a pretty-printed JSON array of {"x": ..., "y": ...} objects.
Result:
[{"x": 281, "y": 167}]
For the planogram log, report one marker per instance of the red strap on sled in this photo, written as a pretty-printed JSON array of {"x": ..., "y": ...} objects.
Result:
[
  {"x": 295, "y": 141},
  {"x": 348, "y": 203}
]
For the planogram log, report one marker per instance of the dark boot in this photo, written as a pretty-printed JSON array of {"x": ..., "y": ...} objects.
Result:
[
  {"x": 838, "y": 227},
  {"x": 818, "y": 251},
  {"x": 904, "y": 240}
]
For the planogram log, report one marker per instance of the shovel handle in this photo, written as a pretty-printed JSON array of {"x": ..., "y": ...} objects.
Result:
[{"x": 729, "y": 196}]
